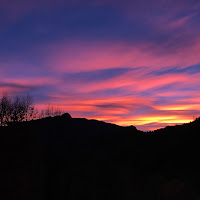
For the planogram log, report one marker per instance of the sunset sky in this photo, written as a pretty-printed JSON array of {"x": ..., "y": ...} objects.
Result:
[{"x": 130, "y": 62}]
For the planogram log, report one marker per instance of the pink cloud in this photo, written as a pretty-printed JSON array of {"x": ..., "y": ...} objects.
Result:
[
  {"x": 181, "y": 21},
  {"x": 11, "y": 90},
  {"x": 80, "y": 56},
  {"x": 18, "y": 86},
  {"x": 122, "y": 105},
  {"x": 126, "y": 112},
  {"x": 30, "y": 81},
  {"x": 136, "y": 81}
]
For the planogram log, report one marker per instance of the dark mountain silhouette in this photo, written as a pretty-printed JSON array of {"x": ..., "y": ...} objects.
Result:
[{"x": 75, "y": 158}]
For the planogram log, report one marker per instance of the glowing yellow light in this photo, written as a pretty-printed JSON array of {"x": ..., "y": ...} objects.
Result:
[{"x": 179, "y": 107}]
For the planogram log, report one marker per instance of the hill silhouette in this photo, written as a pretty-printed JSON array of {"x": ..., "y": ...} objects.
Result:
[{"x": 75, "y": 158}]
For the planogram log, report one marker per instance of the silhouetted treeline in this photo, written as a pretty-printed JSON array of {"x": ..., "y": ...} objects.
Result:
[{"x": 21, "y": 108}]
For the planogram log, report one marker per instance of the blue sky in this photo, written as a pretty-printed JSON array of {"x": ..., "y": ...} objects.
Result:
[{"x": 126, "y": 62}]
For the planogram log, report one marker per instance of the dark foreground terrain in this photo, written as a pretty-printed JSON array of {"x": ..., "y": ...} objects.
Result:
[{"x": 68, "y": 158}]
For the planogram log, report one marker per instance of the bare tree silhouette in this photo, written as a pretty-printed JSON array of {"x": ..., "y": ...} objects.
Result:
[
  {"x": 16, "y": 109},
  {"x": 50, "y": 111},
  {"x": 5, "y": 110},
  {"x": 20, "y": 108}
]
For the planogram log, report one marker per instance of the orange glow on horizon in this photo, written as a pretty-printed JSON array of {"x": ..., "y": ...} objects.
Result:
[
  {"x": 115, "y": 116},
  {"x": 154, "y": 119},
  {"x": 179, "y": 107}
]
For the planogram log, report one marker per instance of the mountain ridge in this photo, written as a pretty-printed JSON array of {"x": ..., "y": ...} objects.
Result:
[{"x": 75, "y": 158}]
